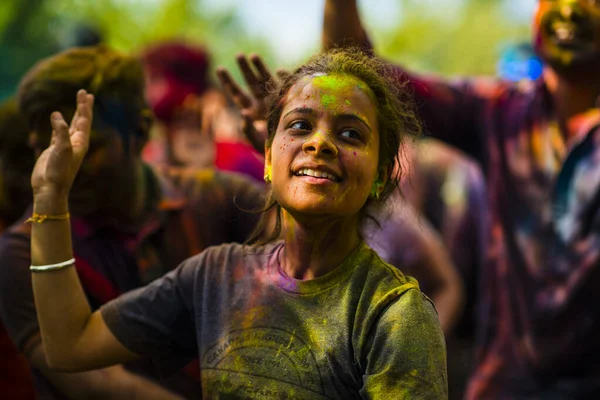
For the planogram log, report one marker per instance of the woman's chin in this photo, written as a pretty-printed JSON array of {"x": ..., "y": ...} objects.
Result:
[{"x": 308, "y": 209}]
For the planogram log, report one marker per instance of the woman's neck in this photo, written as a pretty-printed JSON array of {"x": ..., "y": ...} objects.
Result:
[{"x": 315, "y": 247}]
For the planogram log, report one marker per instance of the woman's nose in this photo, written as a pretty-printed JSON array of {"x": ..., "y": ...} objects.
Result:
[{"x": 320, "y": 144}]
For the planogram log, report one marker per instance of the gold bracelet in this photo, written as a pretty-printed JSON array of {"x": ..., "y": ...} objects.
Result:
[{"x": 39, "y": 218}]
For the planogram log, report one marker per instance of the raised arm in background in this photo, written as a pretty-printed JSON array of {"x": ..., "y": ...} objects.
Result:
[
  {"x": 342, "y": 25},
  {"x": 74, "y": 339},
  {"x": 450, "y": 110}
]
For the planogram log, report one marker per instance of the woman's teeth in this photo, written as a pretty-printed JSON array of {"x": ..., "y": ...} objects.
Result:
[{"x": 316, "y": 174}]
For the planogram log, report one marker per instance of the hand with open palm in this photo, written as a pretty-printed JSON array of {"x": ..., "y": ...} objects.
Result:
[
  {"x": 252, "y": 106},
  {"x": 57, "y": 166}
]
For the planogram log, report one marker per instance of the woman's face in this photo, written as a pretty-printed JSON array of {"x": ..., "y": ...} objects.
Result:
[{"x": 324, "y": 157}]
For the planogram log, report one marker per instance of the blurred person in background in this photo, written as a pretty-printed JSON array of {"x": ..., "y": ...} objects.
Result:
[
  {"x": 538, "y": 144},
  {"x": 446, "y": 187},
  {"x": 81, "y": 34},
  {"x": 16, "y": 165},
  {"x": 198, "y": 127},
  {"x": 130, "y": 223}
]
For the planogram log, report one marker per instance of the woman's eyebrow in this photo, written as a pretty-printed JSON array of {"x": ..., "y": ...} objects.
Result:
[
  {"x": 300, "y": 110},
  {"x": 355, "y": 117}
]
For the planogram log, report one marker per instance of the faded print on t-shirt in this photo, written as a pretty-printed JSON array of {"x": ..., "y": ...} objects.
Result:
[{"x": 361, "y": 330}]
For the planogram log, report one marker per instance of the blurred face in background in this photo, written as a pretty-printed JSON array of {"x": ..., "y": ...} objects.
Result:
[
  {"x": 192, "y": 119},
  {"x": 107, "y": 183},
  {"x": 567, "y": 34},
  {"x": 165, "y": 94}
]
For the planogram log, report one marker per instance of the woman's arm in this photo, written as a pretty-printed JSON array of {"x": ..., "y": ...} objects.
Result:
[
  {"x": 405, "y": 353},
  {"x": 115, "y": 383},
  {"x": 73, "y": 337}
]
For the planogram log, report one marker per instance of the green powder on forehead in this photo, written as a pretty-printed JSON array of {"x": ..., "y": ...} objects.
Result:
[
  {"x": 336, "y": 82},
  {"x": 328, "y": 101},
  {"x": 338, "y": 87}
]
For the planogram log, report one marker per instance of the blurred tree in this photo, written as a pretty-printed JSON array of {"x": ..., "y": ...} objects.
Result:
[
  {"x": 453, "y": 39},
  {"x": 131, "y": 25},
  {"x": 24, "y": 38},
  {"x": 32, "y": 29}
]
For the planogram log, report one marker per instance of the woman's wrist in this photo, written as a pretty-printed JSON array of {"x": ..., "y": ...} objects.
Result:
[{"x": 50, "y": 204}]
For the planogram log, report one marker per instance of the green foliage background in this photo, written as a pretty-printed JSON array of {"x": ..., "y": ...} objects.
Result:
[
  {"x": 454, "y": 39},
  {"x": 33, "y": 29}
]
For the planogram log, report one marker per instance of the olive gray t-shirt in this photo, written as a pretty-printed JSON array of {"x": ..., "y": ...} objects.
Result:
[{"x": 363, "y": 330}]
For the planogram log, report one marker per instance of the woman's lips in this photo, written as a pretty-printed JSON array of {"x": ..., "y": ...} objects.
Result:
[{"x": 314, "y": 180}]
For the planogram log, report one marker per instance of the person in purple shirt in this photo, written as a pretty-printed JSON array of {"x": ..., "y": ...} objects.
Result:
[{"x": 539, "y": 148}]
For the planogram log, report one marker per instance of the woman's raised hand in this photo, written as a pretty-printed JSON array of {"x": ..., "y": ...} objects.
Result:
[
  {"x": 252, "y": 106},
  {"x": 56, "y": 167}
]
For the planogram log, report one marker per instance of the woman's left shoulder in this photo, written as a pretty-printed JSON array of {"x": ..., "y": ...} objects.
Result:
[{"x": 385, "y": 277}]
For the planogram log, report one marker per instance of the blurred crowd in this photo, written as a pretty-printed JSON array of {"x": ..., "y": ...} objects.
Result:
[{"x": 497, "y": 215}]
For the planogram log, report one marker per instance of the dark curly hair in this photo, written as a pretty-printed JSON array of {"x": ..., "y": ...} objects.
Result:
[{"x": 396, "y": 115}]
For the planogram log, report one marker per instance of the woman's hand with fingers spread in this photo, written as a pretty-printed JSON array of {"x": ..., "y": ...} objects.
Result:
[
  {"x": 56, "y": 167},
  {"x": 252, "y": 106}
]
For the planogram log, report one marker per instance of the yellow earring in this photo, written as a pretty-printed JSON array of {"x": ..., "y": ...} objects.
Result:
[
  {"x": 375, "y": 190},
  {"x": 267, "y": 176}
]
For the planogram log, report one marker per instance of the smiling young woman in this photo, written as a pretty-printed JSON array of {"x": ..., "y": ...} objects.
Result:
[{"x": 315, "y": 315}]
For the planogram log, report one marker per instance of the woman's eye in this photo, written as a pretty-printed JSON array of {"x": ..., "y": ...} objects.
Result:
[
  {"x": 300, "y": 126},
  {"x": 351, "y": 134}
]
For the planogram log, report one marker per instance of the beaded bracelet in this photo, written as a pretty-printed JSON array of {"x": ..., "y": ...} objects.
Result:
[
  {"x": 39, "y": 218},
  {"x": 52, "y": 267}
]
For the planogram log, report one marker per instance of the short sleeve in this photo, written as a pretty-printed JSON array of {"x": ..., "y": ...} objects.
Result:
[
  {"x": 157, "y": 321},
  {"x": 17, "y": 306},
  {"x": 406, "y": 352}
]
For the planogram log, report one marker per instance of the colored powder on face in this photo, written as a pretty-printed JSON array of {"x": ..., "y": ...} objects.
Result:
[
  {"x": 336, "y": 89},
  {"x": 335, "y": 82},
  {"x": 328, "y": 101}
]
